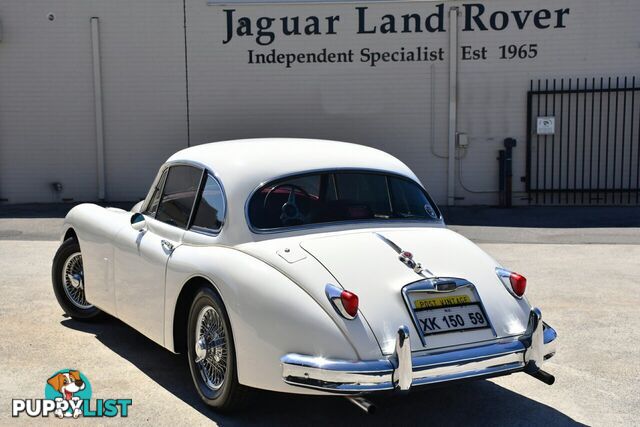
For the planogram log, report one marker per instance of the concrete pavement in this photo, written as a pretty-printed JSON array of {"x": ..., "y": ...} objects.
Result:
[{"x": 587, "y": 292}]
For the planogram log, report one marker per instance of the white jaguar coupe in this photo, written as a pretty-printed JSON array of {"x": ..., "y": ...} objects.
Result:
[{"x": 300, "y": 266}]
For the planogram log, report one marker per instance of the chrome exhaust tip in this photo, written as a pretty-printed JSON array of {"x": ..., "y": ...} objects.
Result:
[{"x": 365, "y": 404}]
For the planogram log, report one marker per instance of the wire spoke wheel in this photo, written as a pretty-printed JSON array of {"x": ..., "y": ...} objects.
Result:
[
  {"x": 211, "y": 351},
  {"x": 73, "y": 281}
]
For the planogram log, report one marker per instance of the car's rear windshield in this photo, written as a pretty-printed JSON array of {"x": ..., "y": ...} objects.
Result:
[{"x": 339, "y": 196}]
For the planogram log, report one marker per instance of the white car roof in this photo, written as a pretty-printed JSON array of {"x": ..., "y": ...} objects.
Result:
[
  {"x": 244, "y": 165},
  {"x": 256, "y": 161}
]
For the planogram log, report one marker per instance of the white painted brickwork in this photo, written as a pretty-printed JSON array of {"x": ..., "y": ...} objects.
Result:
[{"x": 47, "y": 123}]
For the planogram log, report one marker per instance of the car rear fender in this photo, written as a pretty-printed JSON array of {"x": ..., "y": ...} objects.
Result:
[{"x": 270, "y": 315}]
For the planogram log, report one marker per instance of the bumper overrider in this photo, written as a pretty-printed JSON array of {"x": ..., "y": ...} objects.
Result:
[{"x": 402, "y": 371}]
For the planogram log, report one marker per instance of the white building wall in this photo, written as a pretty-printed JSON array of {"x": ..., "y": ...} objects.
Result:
[
  {"x": 47, "y": 121},
  {"x": 46, "y": 111},
  {"x": 47, "y": 130},
  {"x": 601, "y": 39}
]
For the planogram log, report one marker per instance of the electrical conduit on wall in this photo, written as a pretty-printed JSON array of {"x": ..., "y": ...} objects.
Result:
[{"x": 97, "y": 99}]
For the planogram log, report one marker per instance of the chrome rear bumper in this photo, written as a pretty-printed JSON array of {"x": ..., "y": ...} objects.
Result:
[{"x": 403, "y": 371}]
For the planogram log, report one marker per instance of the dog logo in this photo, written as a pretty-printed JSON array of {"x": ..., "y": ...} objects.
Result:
[
  {"x": 67, "y": 383},
  {"x": 71, "y": 386}
]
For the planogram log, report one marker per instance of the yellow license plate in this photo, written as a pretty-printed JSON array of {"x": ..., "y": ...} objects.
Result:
[{"x": 442, "y": 301}]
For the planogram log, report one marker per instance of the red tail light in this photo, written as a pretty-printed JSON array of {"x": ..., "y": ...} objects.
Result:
[
  {"x": 345, "y": 302},
  {"x": 349, "y": 302},
  {"x": 515, "y": 283},
  {"x": 518, "y": 283}
]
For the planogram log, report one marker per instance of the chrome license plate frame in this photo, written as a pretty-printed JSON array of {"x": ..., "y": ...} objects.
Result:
[{"x": 437, "y": 287}]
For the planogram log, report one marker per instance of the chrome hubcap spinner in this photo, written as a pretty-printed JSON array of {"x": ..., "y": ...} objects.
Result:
[{"x": 73, "y": 281}]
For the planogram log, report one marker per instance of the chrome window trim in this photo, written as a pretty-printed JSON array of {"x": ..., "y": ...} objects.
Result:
[
  {"x": 147, "y": 200},
  {"x": 203, "y": 230},
  {"x": 430, "y": 285},
  {"x": 205, "y": 171},
  {"x": 255, "y": 230},
  {"x": 169, "y": 166},
  {"x": 196, "y": 200}
]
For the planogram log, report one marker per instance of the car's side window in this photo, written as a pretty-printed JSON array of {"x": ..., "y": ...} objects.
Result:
[
  {"x": 154, "y": 200},
  {"x": 210, "y": 210},
  {"x": 179, "y": 193}
]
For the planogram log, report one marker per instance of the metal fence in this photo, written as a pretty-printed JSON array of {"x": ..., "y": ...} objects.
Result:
[{"x": 583, "y": 141}]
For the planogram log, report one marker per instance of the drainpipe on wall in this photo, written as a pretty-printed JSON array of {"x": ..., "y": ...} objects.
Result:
[
  {"x": 97, "y": 99},
  {"x": 1, "y": 198},
  {"x": 453, "y": 103}
]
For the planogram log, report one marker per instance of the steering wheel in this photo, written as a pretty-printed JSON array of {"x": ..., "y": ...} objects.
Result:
[{"x": 290, "y": 212}]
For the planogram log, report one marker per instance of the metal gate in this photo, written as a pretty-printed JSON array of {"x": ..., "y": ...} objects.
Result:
[{"x": 583, "y": 141}]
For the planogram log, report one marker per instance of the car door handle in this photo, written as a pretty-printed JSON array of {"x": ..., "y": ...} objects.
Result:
[{"x": 167, "y": 245}]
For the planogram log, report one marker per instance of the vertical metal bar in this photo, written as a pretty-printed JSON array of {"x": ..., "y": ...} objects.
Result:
[
  {"x": 624, "y": 125},
  {"x": 509, "y": 143},
  {"x": 615, "y": 143},
  {"x": 600, "y": 135},
  {"x": 606, "y": 153},
  {"x": 593, "y": 106},
  {"x": 553, "y": 141},
  {"x": 584, "y": 138},
  {"x": 566, "y": 194},
  {"x": 544, "y": 138},
  {"x": 186, "y": 70},
  {"x": 638, "y": 164},
  {"x": 560, "y": 139},
  {"x": 97, "y": 100},
  {"x": 575, "y": 145},
  {"x": 453, "y": 103},
  {"x": 502, "y": 178},
  {"x": 544, "y": 165},
  {"x": 633, "y": 104},
  {"x": 529, "y": 148}
]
